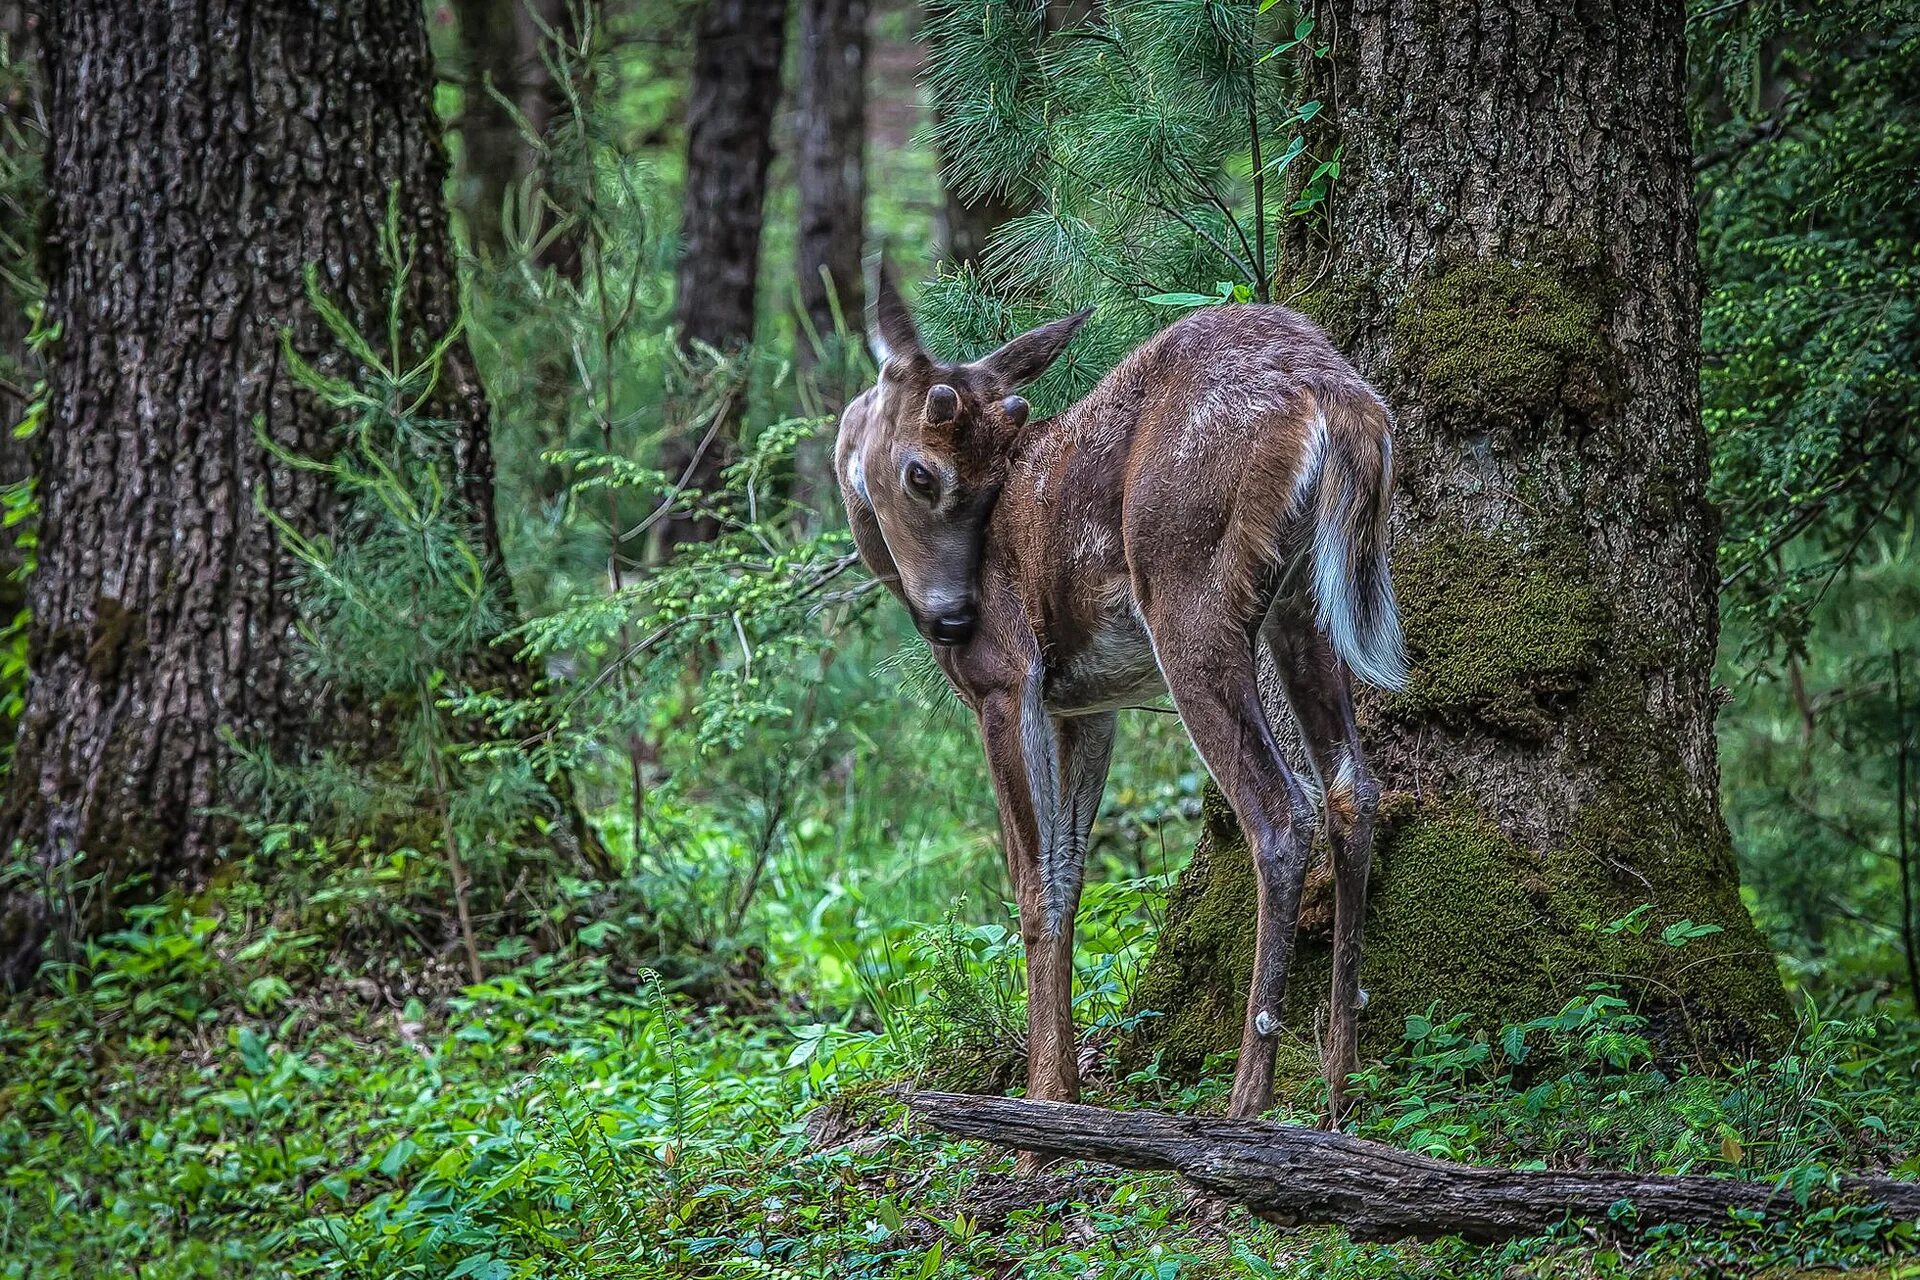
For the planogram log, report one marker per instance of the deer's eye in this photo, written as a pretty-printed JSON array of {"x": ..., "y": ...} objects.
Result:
[{"x": 921, "y": 480}]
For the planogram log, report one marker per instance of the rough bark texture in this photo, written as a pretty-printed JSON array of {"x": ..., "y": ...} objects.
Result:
[
  {"x": 1510, "y": 258},
  {"x": 730, "y": 105},
  {"x": 831, "y": 174},
  {"x": 203, "y": 152},
  {"x": 1291, "y": 1174},
  {"x": 503, "y": 40}
]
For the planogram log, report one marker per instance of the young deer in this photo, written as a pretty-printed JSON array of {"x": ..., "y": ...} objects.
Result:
[{"x": 1228, "y": 481}]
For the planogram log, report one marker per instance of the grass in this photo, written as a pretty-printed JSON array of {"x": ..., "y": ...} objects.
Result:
[{"x": 202, "y": 1097}]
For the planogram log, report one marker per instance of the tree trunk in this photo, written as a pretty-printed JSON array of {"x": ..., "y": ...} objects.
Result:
[
  {"x": 20, "y": 190},
  {"x": 1510, "y": 258},
  {"x": 164, "y": 608},
  {"x": 503, "y": 40},
  {"x": 21, "y": 143},
  {"x": 730, "y": 106},
  {"x": 967, "y": 225},
  {"x": 832, "y": 180}
]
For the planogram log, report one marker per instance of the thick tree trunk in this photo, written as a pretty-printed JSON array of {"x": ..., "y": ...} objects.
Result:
[
  {"x": 730, "y": 105},
  {"x": 1510, "y": 257},
  {"x": 503, "y": 41},
  {"x": 832, "y": 179},
  {"x": 163, "y": 608}
]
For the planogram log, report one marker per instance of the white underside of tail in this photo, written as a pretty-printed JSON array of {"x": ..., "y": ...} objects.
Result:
[{"x": 1358, "y": 618}]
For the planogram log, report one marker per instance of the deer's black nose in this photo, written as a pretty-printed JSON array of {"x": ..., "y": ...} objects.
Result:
[{"x": 953, "y": 628}]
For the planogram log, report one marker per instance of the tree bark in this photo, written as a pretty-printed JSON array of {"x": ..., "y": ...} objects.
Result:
[
  {"x": 202, "y": 154},
  {"x": 20, "y": 141},
  {"x": 967, "y": 225},
  {"x": 1509, "y": 255},
  {"x": 730, "y": 105},
  {"x": 832, "y": 179},
  {"x": 1287, "y": 1173}
]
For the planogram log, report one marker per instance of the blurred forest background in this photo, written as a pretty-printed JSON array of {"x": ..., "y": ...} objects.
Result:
[{"x": 466, "y": 806}]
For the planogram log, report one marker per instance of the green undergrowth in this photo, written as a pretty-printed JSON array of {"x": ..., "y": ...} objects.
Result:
[{"x": 175, "y": 1107}]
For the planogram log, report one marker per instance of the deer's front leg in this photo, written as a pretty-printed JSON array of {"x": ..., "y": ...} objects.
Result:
[{"x": 1047, "y": 775}]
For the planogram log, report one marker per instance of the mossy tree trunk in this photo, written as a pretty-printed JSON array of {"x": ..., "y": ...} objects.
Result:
[
  {"x": 1510, "y": 257},
  {"x": 202, "y": 155}
]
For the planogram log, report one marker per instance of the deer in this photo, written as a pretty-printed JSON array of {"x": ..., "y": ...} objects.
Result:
[{"x": 1227, "y": 485}]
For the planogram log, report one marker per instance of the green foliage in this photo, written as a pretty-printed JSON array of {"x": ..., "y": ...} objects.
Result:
[
  {"x": 179, "y": 1110},
  {"x": 1582, "y": 1084},
  {"x": 1809, "y": 226},
  {"x": 1151, "y": 142},
  {"x": 1809, "y": 136},
  {"x": 397, "y": 610}
]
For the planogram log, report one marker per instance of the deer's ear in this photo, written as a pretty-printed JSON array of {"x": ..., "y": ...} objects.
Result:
[
  {"x": 890, "y": 328},
  {"x": 1027, "y": 356}
]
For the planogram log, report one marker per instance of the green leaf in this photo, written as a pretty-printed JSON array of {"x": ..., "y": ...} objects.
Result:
[
  {"x": 397, "y": 1156},
  {"x": 1681, "y": 932}
]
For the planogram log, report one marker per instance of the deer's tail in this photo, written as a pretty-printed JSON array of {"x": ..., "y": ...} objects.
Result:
[{"x": 1352, "y": 478}]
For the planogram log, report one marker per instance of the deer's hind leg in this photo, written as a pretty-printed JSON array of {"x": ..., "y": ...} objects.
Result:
[
  {"x": 1207, "y": 660},
  {"x": 1319, "y": 692}
]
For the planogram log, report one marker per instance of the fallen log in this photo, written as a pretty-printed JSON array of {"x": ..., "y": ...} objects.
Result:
[{"x": 1291, "y": 1174}]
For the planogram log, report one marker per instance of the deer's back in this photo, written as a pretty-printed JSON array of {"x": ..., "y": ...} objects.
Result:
[{"x": 1193, "y": 443}]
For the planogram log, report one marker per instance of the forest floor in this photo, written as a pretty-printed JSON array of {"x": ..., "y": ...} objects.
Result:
[{"x": 206, "y": 1095}]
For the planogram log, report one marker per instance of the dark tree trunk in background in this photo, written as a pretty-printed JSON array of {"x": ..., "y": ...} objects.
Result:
[
  {"x": 20, "y": 145},
  {"x": 1511, "y": 260},
  {"x": 202, "y": 154},
  {"x": 966, "y": 225},
  {"x": 831, "y": 175},
  {"x": 730, "y": 105},
  {"x": 504, "y": 42},
  {"x": 22, "y": 140}
]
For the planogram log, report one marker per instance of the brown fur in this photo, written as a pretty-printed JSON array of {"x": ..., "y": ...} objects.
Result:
[{"x": 1141, "y": 540}]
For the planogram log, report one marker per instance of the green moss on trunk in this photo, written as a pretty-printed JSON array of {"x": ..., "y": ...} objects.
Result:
[
  {"x": 1495, "y": 342},
  {"x": 1210, "y": 931},
  {"x": 1463, "y": 919},
  {"x": 1496, "y": 633}
]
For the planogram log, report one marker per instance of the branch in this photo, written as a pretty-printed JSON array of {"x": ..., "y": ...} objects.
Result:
[{"x": 1291, "y": 1174}]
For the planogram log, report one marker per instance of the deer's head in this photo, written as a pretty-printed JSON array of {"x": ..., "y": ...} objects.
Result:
[{"x": 927, "y": 450}]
